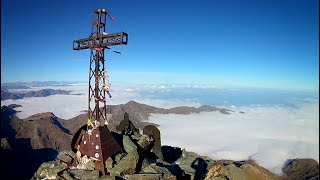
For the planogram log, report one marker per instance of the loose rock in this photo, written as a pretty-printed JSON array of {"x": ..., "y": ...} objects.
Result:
[
  {"x": 143, "y": 141},
  {"x": 153, "y": 168},
  {"x": 84, "y": 174},
  {"x": 49, "y": 170},
  {"x": 128, "y": 145},
  {"x": 64, "y": 156},
  {"x": 109, "y": 163},
  {"x": 127, "y": 165}
]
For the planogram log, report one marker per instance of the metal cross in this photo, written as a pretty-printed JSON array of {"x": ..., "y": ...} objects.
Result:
[{"x": 97, "y": 141}]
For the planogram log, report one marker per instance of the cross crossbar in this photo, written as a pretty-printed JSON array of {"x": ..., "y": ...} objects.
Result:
[{"x": 101, "y": 41}]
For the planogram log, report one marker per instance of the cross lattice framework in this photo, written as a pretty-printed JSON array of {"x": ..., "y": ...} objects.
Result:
[
  {"x": 98, "y": 39},
  {"x": 98, "y": 142}
]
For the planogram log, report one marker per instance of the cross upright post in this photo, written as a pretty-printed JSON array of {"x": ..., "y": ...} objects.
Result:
[{"x": 97, "y": 141}]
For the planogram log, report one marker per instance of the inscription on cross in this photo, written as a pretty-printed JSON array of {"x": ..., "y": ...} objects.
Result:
[{"x": 95, "y": 140}]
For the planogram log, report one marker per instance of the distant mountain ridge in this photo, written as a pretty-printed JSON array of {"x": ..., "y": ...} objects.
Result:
[
  {"x": 39, "y": 137},
  {"x": 41, "y": 93},
  {"x": 36, "y": 127}
]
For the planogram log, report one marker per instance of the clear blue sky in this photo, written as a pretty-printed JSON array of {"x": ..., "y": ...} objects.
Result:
[{"x": 258, "y": 43}]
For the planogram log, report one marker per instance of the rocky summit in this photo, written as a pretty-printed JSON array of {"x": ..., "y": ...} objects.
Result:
[
  {"x": 145, "y": 158},
  {"x": 39, "y": 147}
]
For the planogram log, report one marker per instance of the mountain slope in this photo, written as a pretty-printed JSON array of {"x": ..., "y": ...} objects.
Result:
[{"x": 44, "y": 130}]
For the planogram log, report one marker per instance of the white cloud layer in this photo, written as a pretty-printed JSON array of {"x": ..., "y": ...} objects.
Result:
[
  {"x": 270, "y": 135},
  {"x": 69, "y": 106},
  {"x": 267, "y": 132}
]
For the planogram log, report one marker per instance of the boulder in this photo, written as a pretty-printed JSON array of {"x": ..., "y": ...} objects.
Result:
[
  {"x": 49, "y": 170},
  {"x": 66, "y": 175},
  {"x": 92, "y": 175},
  {"x": 143, "y": 176},
  {"x": 154, "y": 133},
  {"x": 126, "y": 127},
  {"x": 153, "y": 168},
  {"x": 65, "y": 157},
  {"x": 143, "y": 141},
  {"x": 146, "y": 162},
  {"x": 84, "y": 174},
  {"x": 127, "y": 165},
  {"x": 118, "y": 157},
  {"x": 128, "y": 145},
  {"x": 185, "y": 164}
]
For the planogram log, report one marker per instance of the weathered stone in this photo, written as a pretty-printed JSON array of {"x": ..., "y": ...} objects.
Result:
[
  {"x": 5, "y": 144},
  {"x": 77, "y": 173},
  {"x": 126, "y": 126},
  {"x": 185, "y": 163},
  {"x": 91, "y": 175},
  {"x": 144, "y": 176},
  {"x": 65, "y": 157},
  {"x": 44, "y": 168},
  {"x": 107, "y": 177},
  {"x": 72, "y": 154},
  {"x": 66, "y": 175},
  {"x": 136, "y": 136},
  {"x": 109, "y": 163},
  {"x": 127, "y": 165},
  {"x": 49, "y": 170},
  {"x": 143, "y": 141},
  {"x": 146, "y": 162},
  {"x": 160, "y": 161},
  {"x": 118, "y": 157},
  {"x": 128, "y": 145},
  {"x": 153, "y": 168},
  {"x": 210, "y": 162},
  {"x": 84, "y": 174},
  {"x": 90, "y": 165},
  {"x": 154, "y": 133}
]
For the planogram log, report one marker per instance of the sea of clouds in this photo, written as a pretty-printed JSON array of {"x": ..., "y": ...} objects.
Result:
[
  {"x": 276, "y": 125},
  {"x": 270, "y": 135}
]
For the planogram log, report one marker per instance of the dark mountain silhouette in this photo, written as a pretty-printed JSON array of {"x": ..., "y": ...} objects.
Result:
[
  {"x": 8, "y": 95},
  {"x": 41, "y": 93},
  {"x": 20, "y": 160}
]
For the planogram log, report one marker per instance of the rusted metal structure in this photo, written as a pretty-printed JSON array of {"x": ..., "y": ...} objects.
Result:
[{"x": 96, "y": 140}]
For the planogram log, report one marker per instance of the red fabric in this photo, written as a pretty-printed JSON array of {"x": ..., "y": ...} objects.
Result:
[{"x": 112, "y": 18}]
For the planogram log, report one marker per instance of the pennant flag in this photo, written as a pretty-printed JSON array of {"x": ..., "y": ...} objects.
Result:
[
  {"x": 112, "y": 18},
  {"x": 117, "y": 52},
  {"x": 90, "y": 123},
  {"x": 97, "y": 49}
]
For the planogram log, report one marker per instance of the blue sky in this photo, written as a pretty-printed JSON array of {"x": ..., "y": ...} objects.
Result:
[{"x": 265, "y": 43}]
